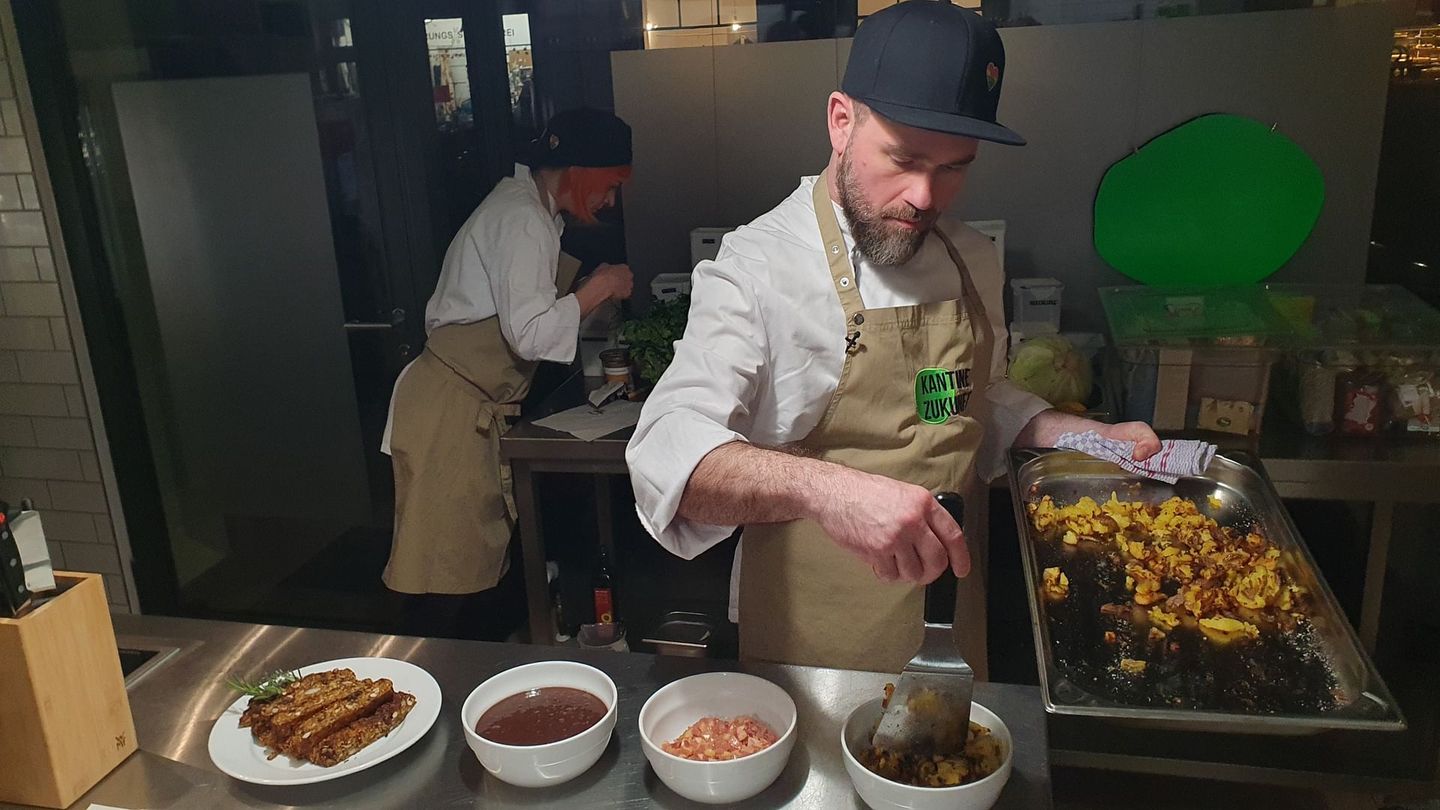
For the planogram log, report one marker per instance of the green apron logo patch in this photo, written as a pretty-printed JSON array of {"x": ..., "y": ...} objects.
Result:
[{"x": 941, "y": 395}]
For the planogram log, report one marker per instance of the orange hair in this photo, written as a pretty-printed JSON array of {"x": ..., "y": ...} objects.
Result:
[{"x": 583, "y": 182}]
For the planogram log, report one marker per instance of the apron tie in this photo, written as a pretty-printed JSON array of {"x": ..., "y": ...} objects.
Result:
[{"x": 492, "y": 415}]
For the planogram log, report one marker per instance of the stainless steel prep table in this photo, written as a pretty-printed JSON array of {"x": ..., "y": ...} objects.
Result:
[
  {"x": 176, "y": 703},
  {"x": 1382, "y": 471}
]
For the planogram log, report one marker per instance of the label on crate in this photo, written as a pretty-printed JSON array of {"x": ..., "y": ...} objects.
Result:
[{"x": 1225, "y": 416}]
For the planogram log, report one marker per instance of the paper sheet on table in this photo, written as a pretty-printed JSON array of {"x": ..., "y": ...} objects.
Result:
[{"x": 584, "y": 423}]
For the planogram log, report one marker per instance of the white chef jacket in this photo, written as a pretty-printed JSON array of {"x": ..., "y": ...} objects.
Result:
[
  {"x": 763, "y": 351},
  {"x": 503, "y": 262}
]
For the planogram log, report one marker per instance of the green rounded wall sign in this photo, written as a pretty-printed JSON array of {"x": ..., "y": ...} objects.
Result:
[{"x": 1220, "y": 200}]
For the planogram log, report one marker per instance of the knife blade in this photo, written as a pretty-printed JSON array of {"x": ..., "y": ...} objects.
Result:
[{"x": 929, "y": 711}]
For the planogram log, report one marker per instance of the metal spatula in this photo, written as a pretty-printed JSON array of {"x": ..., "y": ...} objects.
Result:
[{"x": 929, "y": 711}]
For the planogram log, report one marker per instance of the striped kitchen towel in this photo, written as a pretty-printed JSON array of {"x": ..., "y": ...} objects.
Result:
[{"x": 1177, "y": 457}]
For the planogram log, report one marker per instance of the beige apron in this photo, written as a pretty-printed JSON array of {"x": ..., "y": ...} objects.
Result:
[
  {"x": 453, "y": 509},
  {"x": 803, "y": 599}
]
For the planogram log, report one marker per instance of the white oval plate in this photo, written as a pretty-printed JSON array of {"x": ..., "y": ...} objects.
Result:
[{"x": 236, "y": 753}]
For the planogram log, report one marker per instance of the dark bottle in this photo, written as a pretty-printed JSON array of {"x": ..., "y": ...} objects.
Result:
[
  {"x": 559, "y": 618},
  {"x": 604, "y": 590}
]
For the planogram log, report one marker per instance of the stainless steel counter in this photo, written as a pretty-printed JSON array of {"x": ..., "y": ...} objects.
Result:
[
  {"x": 176, "y": 703},
  {"x": 1382, "y": 470},
  {"x": 1301, "y": 466}
]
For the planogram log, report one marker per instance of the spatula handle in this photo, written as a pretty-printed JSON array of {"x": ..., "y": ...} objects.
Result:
[{"x": 940, "y": 594}]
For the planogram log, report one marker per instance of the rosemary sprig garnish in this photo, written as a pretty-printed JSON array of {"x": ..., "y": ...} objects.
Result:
[{"x": 270, "y": 686}]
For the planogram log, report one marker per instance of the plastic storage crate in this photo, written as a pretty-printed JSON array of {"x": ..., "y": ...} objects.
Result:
[
  {"x": 1365, "y": 360},
  {"x": 1195, "y": 358}
]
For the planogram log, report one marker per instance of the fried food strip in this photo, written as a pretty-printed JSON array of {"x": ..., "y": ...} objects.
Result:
[
  {"x": 296, "y": 693},
  {"x": 336, "y": 716},
  {"x": 273, "y": 731},
  {"x": 349, "y": 740}
]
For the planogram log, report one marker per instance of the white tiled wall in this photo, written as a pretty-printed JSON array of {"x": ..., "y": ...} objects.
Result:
[{"x": 50, "y": 450}]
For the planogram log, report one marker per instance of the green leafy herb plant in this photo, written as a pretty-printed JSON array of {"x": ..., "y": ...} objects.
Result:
[{"x": 651, "y": 337}]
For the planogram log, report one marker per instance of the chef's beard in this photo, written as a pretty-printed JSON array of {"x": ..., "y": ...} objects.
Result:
[{"x": 877, "y": 239}]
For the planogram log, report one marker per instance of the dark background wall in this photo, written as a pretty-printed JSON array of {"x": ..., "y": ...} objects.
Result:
[{"x": 723, "y": 133}]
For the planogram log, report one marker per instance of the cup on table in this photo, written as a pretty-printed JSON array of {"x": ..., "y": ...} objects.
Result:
[{"x": 616, "y": 363}]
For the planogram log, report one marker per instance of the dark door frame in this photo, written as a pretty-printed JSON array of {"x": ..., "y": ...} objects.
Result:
[
  {"x": 400, "y": 119},
  {"x": 418, "y": 180},
  {"x": 47, "y": 63}
]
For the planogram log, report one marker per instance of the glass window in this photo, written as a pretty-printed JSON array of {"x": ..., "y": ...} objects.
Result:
[
  {"x": 520, "y": 64},
  {"x": 1416, "y": 57},
  {"x": 340, "y": 36},
  {"x": 449, "y": 72},
  {"x": 699, "y": 23}
]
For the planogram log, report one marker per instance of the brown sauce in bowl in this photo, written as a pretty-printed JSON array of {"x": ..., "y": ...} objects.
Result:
[{"x": 540, "y": 716}]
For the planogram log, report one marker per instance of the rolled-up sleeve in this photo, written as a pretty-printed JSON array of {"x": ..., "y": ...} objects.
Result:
[
  {"x": 702, "y": 402},
  {"x": 520, "y": 263},
  {"x": 1009, "y": 408}
]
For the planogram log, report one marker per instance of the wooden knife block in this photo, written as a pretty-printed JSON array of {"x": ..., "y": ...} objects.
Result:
[{"x": 64, "y": 716}]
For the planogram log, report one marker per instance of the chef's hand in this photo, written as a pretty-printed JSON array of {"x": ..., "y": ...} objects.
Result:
[
  {"x": 617, "y": 279},
  {"x": 1047, "y": 426},
  {"x": 1146, "y": 442},
  {"x": 898, "y": 529}
]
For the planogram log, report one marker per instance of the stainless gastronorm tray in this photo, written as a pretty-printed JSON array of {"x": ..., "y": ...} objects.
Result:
[{"x": 1238, "y": 482}]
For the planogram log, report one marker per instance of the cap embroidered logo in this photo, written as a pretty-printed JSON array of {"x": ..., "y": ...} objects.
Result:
[{"x": 992, "y": 76}]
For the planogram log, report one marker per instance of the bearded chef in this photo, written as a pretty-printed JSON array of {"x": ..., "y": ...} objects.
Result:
[
  {"x": 503, "y": 304},
  {"x": 844, "y": 359}
]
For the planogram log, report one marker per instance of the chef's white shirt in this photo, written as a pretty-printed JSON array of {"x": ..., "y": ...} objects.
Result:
[
  {"x": 763, "y": 351},
  {"x": 502, "y": 262}
]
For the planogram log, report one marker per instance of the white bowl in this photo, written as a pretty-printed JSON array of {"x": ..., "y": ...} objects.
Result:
[
  {"x": 551, "y": 763},
  {"x": 882, "y": 794},
  {"x": 674, "y": 707}
]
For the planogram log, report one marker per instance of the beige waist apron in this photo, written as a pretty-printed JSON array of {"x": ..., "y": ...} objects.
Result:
[
  {"x": 905, "y": 407},
  {"x": 453, "y": 509}
]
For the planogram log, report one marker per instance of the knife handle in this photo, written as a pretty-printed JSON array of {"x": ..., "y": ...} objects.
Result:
[
  {"x": 15, "y": 596},
  {"x": 940, "y": 594}
]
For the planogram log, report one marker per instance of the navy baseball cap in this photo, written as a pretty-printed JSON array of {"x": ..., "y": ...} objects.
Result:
[
  {"x": 583, "y": 137},
  {"x": 932, "y": 65}
]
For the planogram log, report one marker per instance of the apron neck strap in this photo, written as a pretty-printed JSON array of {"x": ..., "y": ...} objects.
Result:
[
  {"x": 984, "y": 333},
  {"x": 842, "y": 272},
  {"x": 967, "y": 285}
]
